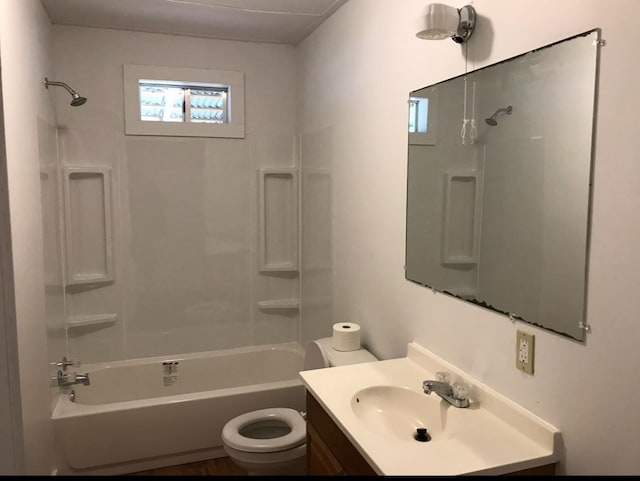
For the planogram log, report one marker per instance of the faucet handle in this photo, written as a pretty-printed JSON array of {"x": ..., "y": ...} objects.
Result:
[
  {"x": 460, "y": 390},
  {"x": 66, "y": 363},
  {"x": 443, "y": 376}
]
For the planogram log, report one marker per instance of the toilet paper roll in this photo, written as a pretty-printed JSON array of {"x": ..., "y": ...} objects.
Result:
[{"x": 346, "y": 336}]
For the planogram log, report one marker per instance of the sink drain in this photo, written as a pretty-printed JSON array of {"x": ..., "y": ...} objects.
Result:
[{"x": 422, "y": 435}]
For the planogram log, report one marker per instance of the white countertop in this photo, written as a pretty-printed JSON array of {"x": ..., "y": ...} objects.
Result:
[{"x": 492, "y": 436}]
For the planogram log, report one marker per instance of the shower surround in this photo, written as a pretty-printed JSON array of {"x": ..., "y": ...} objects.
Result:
[{"x": 184, "y": 210}]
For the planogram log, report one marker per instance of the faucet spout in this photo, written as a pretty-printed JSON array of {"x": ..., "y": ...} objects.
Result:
[
  {"x": 83, "y": 379},
  {"x": 456, "y": 394},
  {"x": 439, "y": 387},
  {"x": 69, "y": 379}
]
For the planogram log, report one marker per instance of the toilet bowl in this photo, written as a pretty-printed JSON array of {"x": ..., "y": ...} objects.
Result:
[
  {"x": 267, "y": 441},
  {"x": 273, "y": 441}
]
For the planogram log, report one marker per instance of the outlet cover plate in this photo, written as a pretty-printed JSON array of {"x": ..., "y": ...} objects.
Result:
[{"x": 525, "y": 348}]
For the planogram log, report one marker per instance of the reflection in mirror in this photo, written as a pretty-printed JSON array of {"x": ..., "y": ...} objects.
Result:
[{"x": 498, "y": 185}]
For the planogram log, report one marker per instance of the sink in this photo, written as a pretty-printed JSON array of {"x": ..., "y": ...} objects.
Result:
[
  {"x": 396, "y": 412},
  {"x": 380, "y": 405}
]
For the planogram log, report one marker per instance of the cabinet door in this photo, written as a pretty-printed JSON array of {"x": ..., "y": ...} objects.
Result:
[
  {"x": 332, "y": 443},
  {"x": 320, "y": 459}
]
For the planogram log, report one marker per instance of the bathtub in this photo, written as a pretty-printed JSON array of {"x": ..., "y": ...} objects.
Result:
[{"x": 139, "y": 414}]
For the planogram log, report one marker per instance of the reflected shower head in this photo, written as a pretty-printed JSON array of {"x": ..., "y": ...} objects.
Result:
[
  {"x": 76, "y": 99},
  {"x": 492, "y": 120}
]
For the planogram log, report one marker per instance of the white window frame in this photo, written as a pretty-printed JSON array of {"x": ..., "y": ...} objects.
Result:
[{"x": 234, "y": 128}]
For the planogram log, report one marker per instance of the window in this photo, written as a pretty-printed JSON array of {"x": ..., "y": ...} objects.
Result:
[
  {"x": 162, "y": 101},
  {"x": 183, "y": 102}
]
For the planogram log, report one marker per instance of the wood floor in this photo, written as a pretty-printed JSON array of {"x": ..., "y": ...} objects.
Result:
[{"x": 212, "y": 467}]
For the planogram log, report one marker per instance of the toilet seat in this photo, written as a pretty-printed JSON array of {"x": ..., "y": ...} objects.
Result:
[{"x": 292, "y": 418}]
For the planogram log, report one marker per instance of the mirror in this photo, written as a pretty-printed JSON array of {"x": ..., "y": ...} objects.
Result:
[{"x": 499, "y": 184}]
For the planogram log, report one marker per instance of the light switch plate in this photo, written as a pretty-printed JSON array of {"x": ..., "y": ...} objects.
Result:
[{"x": 525, "y": 347}]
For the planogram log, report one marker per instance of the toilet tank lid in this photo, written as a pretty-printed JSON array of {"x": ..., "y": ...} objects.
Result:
[{"x": 320, "y": 353}]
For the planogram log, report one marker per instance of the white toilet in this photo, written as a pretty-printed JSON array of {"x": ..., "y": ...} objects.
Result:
[{"x": 273, "y": 441}]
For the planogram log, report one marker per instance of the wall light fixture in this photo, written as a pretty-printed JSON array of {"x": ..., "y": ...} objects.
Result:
[{"x": 443, "y": 21}]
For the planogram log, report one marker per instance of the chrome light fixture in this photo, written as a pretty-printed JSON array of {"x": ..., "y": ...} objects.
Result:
[{"x": 443, "y": 21}]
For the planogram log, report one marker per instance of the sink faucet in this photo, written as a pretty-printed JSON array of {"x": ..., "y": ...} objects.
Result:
[
  {"x": 69, "y": 379},
  {"x": 456, "y": 394}
]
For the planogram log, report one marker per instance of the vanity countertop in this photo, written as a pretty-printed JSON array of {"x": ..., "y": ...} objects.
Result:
[{"x": 492, "y": 436}]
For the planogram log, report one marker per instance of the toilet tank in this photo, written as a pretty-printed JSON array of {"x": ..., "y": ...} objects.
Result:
[{"x": 320, "y": 354}]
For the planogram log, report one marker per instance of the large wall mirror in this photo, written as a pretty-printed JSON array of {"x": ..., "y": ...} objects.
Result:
[{"x": 499, "y": 184}]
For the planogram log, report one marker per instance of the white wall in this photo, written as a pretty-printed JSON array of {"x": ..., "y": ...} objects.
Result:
[
  {"x": 185, "y": 208},
  {"x": 24, "y": 46},
  {"x": 11, "y": 458},
  {"x": 587, "y": 390}
]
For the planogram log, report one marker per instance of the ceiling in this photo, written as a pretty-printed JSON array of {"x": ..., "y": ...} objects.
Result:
[{"x": 275, "y": 21}]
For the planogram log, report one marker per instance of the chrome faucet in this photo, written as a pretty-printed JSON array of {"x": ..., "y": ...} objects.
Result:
[
  {"x": 65, "y": 363},
  {"x": 456, "y": 394},
  {"x": 69, "y": 379}
]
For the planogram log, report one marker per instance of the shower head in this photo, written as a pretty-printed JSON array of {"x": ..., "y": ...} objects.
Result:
[
  {"x": 492, "y": 120},
  {"x": 76, "y": 99}
]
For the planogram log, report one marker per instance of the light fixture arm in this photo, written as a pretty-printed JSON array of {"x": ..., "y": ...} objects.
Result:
[{"x": 466, "y": 25}]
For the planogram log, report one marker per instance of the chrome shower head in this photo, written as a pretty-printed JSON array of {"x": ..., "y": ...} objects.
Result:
[
  {"x": 492, "y": 120},
  {"x": 76, "y": 99}
]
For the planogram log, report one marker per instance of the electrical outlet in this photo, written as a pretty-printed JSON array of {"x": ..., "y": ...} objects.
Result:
[{"x": 525, "y": 344}]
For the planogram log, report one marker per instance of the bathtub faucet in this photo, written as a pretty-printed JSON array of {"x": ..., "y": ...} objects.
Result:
[
  {"x": 69, "y": 379},
  {"x": 65, "y": 363}
]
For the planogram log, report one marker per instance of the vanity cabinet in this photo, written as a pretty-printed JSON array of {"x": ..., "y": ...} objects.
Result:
[{"x": 330, "y": 453}]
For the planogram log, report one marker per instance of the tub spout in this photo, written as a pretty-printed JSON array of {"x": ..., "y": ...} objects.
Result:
[{"x": 69, "y": 379}]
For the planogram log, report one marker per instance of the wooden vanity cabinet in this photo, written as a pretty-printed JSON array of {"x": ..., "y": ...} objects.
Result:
[{"x": 330, "y": 453}]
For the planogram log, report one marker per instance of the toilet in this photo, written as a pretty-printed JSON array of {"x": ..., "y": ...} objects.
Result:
[{"x": 273, "y": 441}]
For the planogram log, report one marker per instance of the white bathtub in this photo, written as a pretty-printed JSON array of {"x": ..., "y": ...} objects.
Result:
[{"x": 132, "y": 417}]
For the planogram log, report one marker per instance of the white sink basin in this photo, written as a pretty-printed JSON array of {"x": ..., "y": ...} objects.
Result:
[
  {"x": 397, "y": 412},
  {"x": 379, "y": 406}
]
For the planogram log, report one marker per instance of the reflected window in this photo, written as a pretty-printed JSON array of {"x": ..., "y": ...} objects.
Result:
[
  {"x": 418, "y": 115},
  {"x": 423, "y": 111}
]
